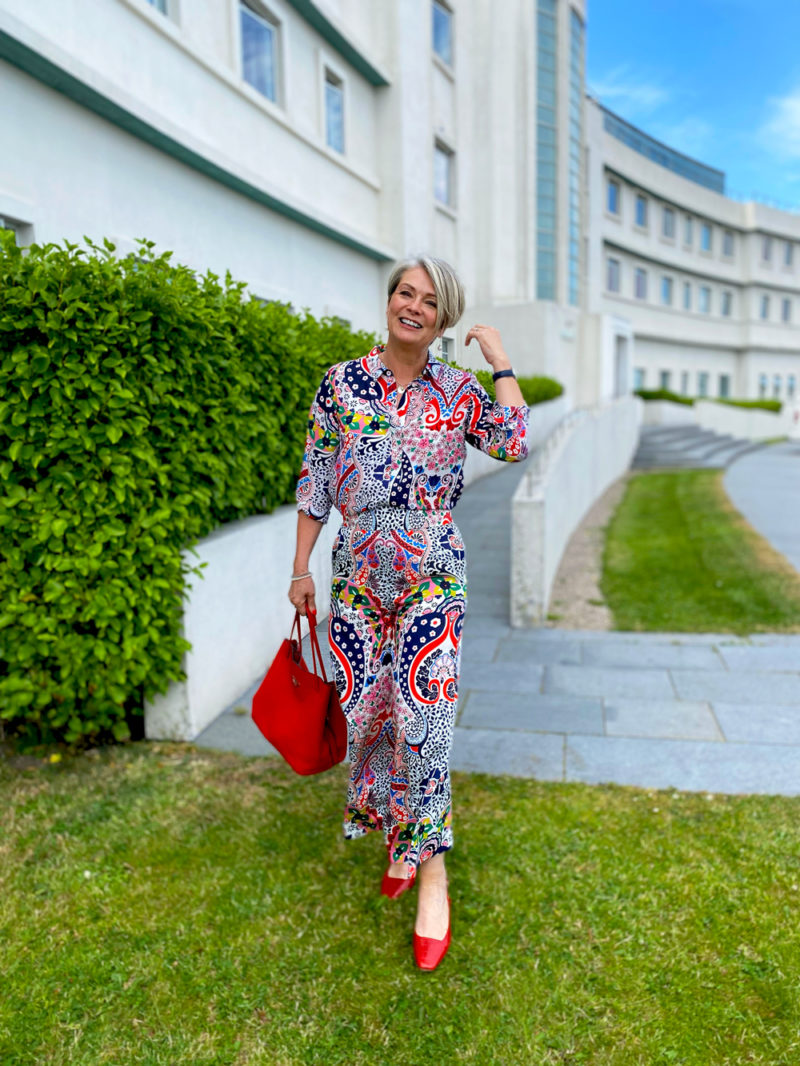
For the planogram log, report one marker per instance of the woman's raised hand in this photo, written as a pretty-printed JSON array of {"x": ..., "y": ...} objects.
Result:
[
  {"x": 301, "y": 594},
  {"x": 491, "y": 346}
]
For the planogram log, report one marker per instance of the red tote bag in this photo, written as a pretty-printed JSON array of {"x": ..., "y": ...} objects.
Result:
[{"x": 298, "y": 710}]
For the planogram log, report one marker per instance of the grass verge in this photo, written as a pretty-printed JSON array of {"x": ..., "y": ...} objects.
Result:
[
  {"x": 680, "y": 558},
  {"x": 161, "y": 906}
]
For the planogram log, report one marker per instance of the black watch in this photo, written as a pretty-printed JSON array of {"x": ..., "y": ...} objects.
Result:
[{"x": 503, "y": 374}]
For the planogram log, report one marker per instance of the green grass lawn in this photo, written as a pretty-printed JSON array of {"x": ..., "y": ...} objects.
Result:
[
  {"x": 160, "y": 905},
  {"x": 680, "y": 558}
]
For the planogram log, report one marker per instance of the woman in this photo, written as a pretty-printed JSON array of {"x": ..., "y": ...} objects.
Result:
[{"x": 386, "y": 445}]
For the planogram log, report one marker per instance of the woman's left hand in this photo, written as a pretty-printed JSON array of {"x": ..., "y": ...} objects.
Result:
[{"x": 491, "y": 346}]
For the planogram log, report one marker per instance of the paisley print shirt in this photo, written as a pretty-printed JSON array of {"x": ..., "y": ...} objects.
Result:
[{"x": 367, "y": 447}]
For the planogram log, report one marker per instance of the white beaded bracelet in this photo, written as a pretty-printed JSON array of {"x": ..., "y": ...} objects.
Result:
[{"x": 299, "y": 577}]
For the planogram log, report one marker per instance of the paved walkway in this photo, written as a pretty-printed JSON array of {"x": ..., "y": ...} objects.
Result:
[{"x": 699, "y": 712}]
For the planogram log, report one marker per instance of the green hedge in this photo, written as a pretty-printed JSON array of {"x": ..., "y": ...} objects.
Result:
[
  {"x": 536, "y": 389},
  {"x": 664, "y": 394},
  {"x": 141, "y": 406},
  {"x": 674, "y": 397},
  {"x": 764, "y": 405}
]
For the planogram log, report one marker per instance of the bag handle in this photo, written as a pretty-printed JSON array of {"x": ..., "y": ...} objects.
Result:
[{"x": 316, "y": 654}]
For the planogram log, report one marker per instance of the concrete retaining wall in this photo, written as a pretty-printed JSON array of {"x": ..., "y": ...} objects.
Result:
[
  {"x": 586, "y": 454},
  {"x": 238, "y": 613},
  {"x": 666, "y": 413},
  {"x": 744, "y": 422},
  {"x": 750, "y": 423}
]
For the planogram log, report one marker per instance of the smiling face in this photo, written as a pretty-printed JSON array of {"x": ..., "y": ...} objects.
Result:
[{"x": 412, "y": 310}]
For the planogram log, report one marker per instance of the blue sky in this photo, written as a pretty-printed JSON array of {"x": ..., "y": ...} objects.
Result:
[{"x": 716, "y": 79}]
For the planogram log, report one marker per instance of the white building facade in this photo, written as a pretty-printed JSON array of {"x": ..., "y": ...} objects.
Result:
[
  {"x": 306, "y": 144},
  {"x": 703, "y": 290}
]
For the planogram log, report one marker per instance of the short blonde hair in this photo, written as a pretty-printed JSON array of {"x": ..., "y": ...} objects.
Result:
[{"x": 446, "y": 283}]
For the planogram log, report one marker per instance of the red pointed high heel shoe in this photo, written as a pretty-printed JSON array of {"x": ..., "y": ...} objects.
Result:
[
  {"x": 393, "y": 887},
  {"x": 429, "y": 952}
]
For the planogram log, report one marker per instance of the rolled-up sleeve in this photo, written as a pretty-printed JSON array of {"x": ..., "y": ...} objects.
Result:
[
  {"x": 314, "y": 495},
  {"x": 499, "y": 431}
]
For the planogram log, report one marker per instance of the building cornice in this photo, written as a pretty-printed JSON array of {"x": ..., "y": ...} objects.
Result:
[
  {"x": 676, "y": 268},
  {"x": 49, "y": 73},
  {"x": 742, "y": 229},
  {"x": 338, "y": 39}
]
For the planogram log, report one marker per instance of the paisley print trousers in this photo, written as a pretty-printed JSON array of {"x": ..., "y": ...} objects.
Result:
[{"x": 397, "y": 607}]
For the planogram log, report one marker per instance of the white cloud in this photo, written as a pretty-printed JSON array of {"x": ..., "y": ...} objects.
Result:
[
  {"x": 780, "y": 133},
  {"x": 624, "y": 90}
]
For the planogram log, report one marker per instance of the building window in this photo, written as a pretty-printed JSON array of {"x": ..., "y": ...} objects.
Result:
[
  {"x": 727, "y": 302},
  {"x": 724, "y": 386},
  {"x": 612, "y": 274},
  {"x": 762, "y": 386},
  {"x": 764, "y": 310},
  {"x": 448, "y": 349},
  {"x": 791, "y": 386},
  {"x": 640, "y": 284},
  {"x": 576, "y": 94},
  {"x": 668, "y": 223},
  {"x": 641, "y": 211},
  {"x": 334, "y": 111},
  {"x": 702, "y": 383},
  {"x": 684, "y": 382},
  {"x": 727, "y": 244},
  {"x": 546, "y": 145},
  {"x": 666, "y": 291},
  {"x": 766, "y": 249},
  {"x": 443, "y": 32},
  {"x": 705, "y": 237},
  {"x": 704, "y": 299},
  {"x": 159, "y": 5},
  {"x": 788, "y": 254},
  {"x": 638, "y": 378},
  {"x": 665, "y": 379},
  {"x": 688, "y": 231},
  {"x": 776, "y": 387},
  {"x": 259, "y": 49},
  {"x": 443, "y": 165},
  {"x": 613, "y": 196},
  {"x": 687, "y": 296},
  {"x": 786, "y": 310}
]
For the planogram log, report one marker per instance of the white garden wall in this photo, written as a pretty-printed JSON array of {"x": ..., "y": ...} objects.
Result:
[
  {"x": 238, "y": 613},
  {"x": 586, "y": 454},
  {"x": 750, "y": 423}
]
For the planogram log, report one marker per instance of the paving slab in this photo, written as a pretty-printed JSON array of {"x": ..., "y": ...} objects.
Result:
[
  {"x": 599, "y": 682},
  {"x": 782, "y": 658},
  {"x": 528, "y": 649},
  {"x": 753, "y": 723},
  {"x": 492, "y": 751},
  {"x": 696, "y": 766},
  {"x": 500, "y": 677},
  {"x": 478, "y": 649},
  {"x": 531, "y": 713},
  {"x": 235, "y": 732},
  {"x": 637, "y": 655},
  {"x": 743, "y": 687},
  {"x": 668, "y": 719}
]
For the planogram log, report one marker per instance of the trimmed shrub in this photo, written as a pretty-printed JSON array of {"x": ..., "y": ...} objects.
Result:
[
  {"x": 764, "y": 405},
  {"x": 141, "y": 406},
  {"x": 536, "y": 389},
  {"x": 664, "y": 394}
]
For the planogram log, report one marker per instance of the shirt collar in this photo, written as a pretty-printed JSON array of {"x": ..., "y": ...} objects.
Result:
[{"x": 376, "y": 366}]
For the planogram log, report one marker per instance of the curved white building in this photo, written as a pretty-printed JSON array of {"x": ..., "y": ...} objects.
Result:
[{"x": 701, "y": 292}]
